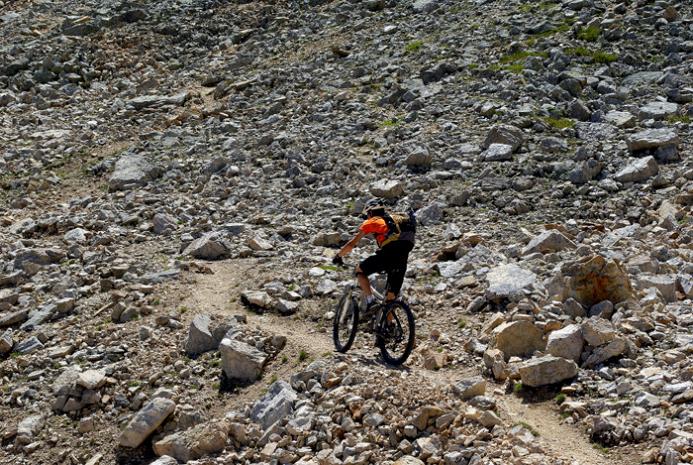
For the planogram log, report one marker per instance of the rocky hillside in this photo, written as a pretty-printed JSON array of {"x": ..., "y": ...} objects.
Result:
[{"x": 176, "y": 176}]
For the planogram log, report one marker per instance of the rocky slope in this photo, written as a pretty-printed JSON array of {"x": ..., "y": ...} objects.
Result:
[{"x": 177, "y": 175}]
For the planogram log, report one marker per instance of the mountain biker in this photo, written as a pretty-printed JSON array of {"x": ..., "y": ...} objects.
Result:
[{"x": 394, "y": 235}]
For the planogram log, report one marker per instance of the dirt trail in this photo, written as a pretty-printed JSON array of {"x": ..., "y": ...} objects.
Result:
[{"x": 218, "y": 293}]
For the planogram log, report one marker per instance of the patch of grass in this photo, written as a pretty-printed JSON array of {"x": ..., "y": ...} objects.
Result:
[
  {"x": 273, "y": 379},
  {"x": 414, "y": 46},
  {"x": 515, "y": 68},
  {"x": 579, "y": 51},
  {"x": 604, "y": 57},
  {"x": 216, "y": 385},
  {"x": 302, "y": 356},
  {"x": 528, "y": 427},
  {"x": 685, "y": 119},
  {"x": 517, "y": 388},
  {"x": 285, "y": 359},
  {"x": 529, "y": 7},
  {"x": 133, "y": 383},
  {"x": 559, "y": 123},
  {"x": 590, "y": 34},
  {"x": 328, "y": 267},
  {"x": 183, "y": 309},
  {"x": 560, "y": 398},
  {"x": 461, "y": 323},
  {"x": 390, "y": 123},
  {"x": 600, "y": 448}
]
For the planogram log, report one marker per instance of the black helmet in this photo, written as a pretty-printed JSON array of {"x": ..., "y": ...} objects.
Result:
[{"x": 373, "y": 206}]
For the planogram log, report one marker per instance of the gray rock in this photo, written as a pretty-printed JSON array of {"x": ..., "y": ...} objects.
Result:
[
  {"x": 146, "y": 101},
  {"x": 509, "y": 282},
  {"x": 13, "y": 318},
  {"x": 146, "y": 421},
  {"x": 517, "y": 338},
  {"x": 163, "y": 223},
  {"x": 28, "y": 346},
  {"x": 471, "y": 387},
  {"x": 546, "y": 370},
  {"x": 274, "y": 406},
  {"x": 418, "y": 157},
  {"x": 642, "y": 78},
  {"x": 621, "y": 119},
  {"x": 504, "y": 134},
  {"x": 566, "y": 343},
  {"x": 638, "y": 170},
  {"x": 585, "y": 171},
  {"x": 258, "y": 300},
  {"x": 497, "y": 152},
  {"x": 241, "y": 362},
  {"x": 28, "y": 428},
  {"x": 211, "y": 246},
  {"x": 165, "y": 460},
  {"x": 328, "y": 239},
  {"x": 387, "y": 189},
  {"x": 547, "y": 242},
  {"x": 666, "y": 284},
  {"x": 573, "y": 308},
  {"x": 652, "y": 139},
  {"x": 6, "y": 342},
  {"x": 425, "y": 6},
  {"x": 598, "y": 331},
  {"x": 200, "y": 339},
  {"x": 91, "y": 379},
  {"x": 430, "y": 214},
  {"x": 75, "y": 236},
  {"x": 603, "y": 353},
  {"x": 132, "y": 170},
  {"x": 408, "y": 460},
  {"x": 603, "y": 309},
  {"x": 658, "y": 110}
]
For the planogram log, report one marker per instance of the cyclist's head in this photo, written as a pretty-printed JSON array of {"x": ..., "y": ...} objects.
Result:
[{"x": 374, "y": 207}]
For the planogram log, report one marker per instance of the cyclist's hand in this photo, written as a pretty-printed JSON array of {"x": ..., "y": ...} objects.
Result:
[{"x": 337, "y": 260}]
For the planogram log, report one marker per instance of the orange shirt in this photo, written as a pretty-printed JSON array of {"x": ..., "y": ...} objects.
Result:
[{"x": 375, "y": 225}]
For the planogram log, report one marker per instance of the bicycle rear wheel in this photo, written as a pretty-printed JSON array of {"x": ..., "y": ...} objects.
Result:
[
  {"x": 395, "y": 337},
  {"x": 345, "y": 323}
]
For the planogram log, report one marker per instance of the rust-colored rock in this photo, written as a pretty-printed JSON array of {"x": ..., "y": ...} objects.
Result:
[{"x": 595, "y": 279}]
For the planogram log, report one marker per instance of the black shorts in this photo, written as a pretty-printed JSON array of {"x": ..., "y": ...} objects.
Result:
[{"x": 393, "y": 259}]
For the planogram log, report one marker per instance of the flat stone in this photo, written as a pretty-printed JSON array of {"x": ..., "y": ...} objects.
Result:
[
  {"x": 598, "y": 331},
  {"x": 548, "y": 242},
  {"x": 638, "y": 170},
  {"x": 504, "y": 134},
  {"x": 666, "y": 284},
  {"x": 546, "y": 370},
  {"x": 621, "y": 119},
  {"x": 91, "y": 379},
  {"x": 146, "y": 421},
  {"x": 387, "y": 189},
  {"x": 658, "y": 110},
  {"x": 13, "y": 318},
  {"x": 652, "y": 139},
  {"x": 603, "y": 353},
  {"x": 210, "y": 246},
  {"x": 132, "y": 170},
  {"x": 146, "y": 101},
  {"x": 497, "y": 152},
  {"x": 471, "y": 387},
  {"x": 28, "y": 346},
  {"x": 509, "y": 282},
  {"x": 241, "y": 362}
]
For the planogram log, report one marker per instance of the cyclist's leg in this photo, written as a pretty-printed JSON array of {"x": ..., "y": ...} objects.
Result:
[
  {"x": 370, "y": 265},
  {"x": 397, "y": 270}
]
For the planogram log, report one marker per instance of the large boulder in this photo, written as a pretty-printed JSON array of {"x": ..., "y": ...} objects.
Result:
[
  {"x": 638, "y": 170},
  {"x": 241, "y": 362},
  {"x": 146, "y": 421},
  {"x": 132, "y": 170},
  {"x": 274, "y": 406},
  {"x": 517, "y": 338},
  {"x": 548, "y": 241},
  {"x": 566, "y": 343},
  {"x": 504, "y": 134},
  {"x": 509, "y": 282},
  {"x": 546, "y": 370},
  {"x": 666, "y": 284},
  {"x": 595, "y": 279}
]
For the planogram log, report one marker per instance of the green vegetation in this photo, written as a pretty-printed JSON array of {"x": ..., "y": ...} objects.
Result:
[
  {"x": 328, "y": 267},
  {"x": 590, "y": 34},
  {"x": 530, "y": 7},
  {"x": 216, "y": 385},
  {"x": 528, "y": 427},
  {"x": 517, "y": 388},
  {"x": 285, "y": 359},
  {"x": 516, "y": 68},
  {"x": 604, "y": 57},
  {"x": 685, "y": 119},
  {"x": 600, "y": 448},
  {"x": 390, "y": 123},
  {"x": 598, "y": 56},
  {"x": 560, "y": 398},
  {"x": 302, "y": 356},
  {"x": 461, "y": 323},
  {"x": 273, "y": 379},
  {"x": 559, "y": 123},
  {"x": 414, "y": 46}
]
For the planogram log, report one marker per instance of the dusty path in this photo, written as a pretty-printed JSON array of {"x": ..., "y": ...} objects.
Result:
[{"x": 218, "y": 293}]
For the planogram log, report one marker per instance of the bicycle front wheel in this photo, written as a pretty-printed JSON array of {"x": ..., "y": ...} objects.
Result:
[
  {"x": 345, "y": 324},
  {"x": 395, "y": 337}
]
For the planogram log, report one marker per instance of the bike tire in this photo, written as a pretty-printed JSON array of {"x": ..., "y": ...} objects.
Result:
[
  {"x": 346, "y": 313},
  {"x": 405, "y": 317}
]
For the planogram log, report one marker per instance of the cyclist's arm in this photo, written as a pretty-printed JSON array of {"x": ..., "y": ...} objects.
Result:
[{"x": 351, "y": 244}]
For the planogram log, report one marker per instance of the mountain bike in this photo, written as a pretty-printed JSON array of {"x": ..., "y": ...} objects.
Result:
[{"x": 392, "y": 323}]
